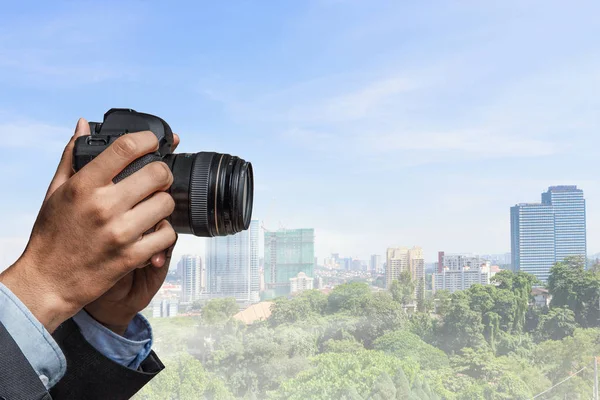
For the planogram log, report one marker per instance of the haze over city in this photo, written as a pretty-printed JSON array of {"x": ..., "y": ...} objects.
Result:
[{"x": 420, "y": 125}]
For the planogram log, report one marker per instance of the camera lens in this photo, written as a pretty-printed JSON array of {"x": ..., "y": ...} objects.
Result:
[{"x": 213, "y": 193}]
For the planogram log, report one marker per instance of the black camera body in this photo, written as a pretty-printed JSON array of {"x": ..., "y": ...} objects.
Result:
[
  {"x": 118, "y": 122},
  {"x": 213, "y": 192}
]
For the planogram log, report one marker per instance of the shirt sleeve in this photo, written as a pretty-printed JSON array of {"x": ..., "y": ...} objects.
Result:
[
  {"x": 128, "y": 350},
  {"x": 46, "y": 357},
  {"x": 34, "y": 341}
]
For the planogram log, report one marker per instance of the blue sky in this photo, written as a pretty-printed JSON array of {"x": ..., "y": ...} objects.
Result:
[{"x": 377, "y": 123}]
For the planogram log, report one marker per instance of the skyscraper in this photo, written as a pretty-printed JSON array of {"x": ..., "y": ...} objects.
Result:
[
  {"x": 569, "y": 220},
  {"x": 287, "y": 253},
  {"x": 232, "y": 265},
  {"x": 193, "y": 277},
  {"x": 375, "y": 265},
  {"x": 401, "y": 259},
  {"x": 547, "y": 232}
]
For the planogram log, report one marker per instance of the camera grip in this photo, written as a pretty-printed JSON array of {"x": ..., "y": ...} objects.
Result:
[{"x": 136, "y": 166}]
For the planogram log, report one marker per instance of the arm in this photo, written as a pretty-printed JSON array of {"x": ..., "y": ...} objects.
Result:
[
  {"x": 91, "y": 375},
  {"x": 33, "y": 362},
  {"x": 89, "y": 233},
  {"x": 18, "y": 380}
]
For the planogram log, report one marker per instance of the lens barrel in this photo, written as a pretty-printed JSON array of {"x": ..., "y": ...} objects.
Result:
[{"x": 213, "y": 193}]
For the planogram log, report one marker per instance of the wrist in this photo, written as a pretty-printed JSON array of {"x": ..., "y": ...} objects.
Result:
[
  {"x": 114, "y": 319},
  {"x": 45, "y": 302}
]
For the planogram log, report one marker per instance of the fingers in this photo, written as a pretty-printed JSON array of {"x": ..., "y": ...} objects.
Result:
[
  {"x": 154, "y": 177},
  {"x": 176, "y": 141},
  {"x": 158, "y": 260},
  {"x": 118, "y": 156},
  {"x": 145, "y": 216},
  {"x": 65, "y": 167},
  {"x": 153, "y": 243},
  {"x": 162, "y": 259}
]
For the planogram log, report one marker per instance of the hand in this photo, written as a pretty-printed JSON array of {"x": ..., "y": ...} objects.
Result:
[
  {"x": 116, "y": 308},
  {"x": 90, "y": 232}
]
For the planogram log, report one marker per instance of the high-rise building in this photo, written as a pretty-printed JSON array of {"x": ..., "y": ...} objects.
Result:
[
  {"x": 458, "y": 261},
  {"x": 401, "y": 259},
  {"x": 461, "y": 279},
  {"x": 232, "y": 266},
  {"x": 547, "y": 232},
  {"x": 192, "y": 276},
  {"x": 300, "y": 283},
  {"x": 440, "y": 263},
  {"x": 569, "y": 220},
  {"x": 375, "y": 264},
  {"x": 287, "y": 253}
]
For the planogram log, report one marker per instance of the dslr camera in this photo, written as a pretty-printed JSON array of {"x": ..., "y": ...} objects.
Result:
[{"x": 213, "y": 192}]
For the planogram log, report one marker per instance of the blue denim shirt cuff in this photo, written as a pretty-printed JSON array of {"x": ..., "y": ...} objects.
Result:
[
  {"x": 35, "y": 342},
  {"x": 128, "y": 350}
]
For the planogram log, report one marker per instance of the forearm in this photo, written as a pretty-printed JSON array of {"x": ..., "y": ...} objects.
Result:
[
  {"x": 40, "y": 299},
  {"x": 46, "y": 357},
  {"x": 33, "y": 340}
]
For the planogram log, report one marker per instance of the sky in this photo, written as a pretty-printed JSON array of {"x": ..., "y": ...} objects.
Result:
[{"x": 377, "y": 123}]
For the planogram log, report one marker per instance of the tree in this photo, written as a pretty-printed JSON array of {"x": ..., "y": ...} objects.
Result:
[
  {"x": 333, "y": 373},
  {"x": 521, "y": 289},
  {"x": 184, "y": 378},
  {"x": 348, "y": 297},
  {"x": 379, "y": 282},
  {"x": 383, "y": 388},
  {"x": 557, "y": 324},
  {"x": 503, "y": 279},
  {"x": 316, "y": 300},
  {"x": 350, "y": 394},
  {"x": 573, "y": 287},
  {"x": 421, "y": 306},
  {"x": 285, "y": 311},
  {"x": 442, "y": 300},
  {"x": 406, "y": 345},
  {"x": 219, "y": 310},
  {"x": 261, "y": 358},
  {"x": 381, "y": 314},
  {"x": 196, "y": 305},
  {"x": 402, "y": 385},
  {"x": 342, "y": 346},
  {"x": 403, "y": 289},
  {"x": 461, "y": 327},
  {"x": 422, "y": 325}
]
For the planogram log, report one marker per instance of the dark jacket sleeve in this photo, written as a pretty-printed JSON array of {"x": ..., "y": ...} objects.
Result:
[
  {"x": 18, "y": 380},
  {"x": 90, "y": 375}
]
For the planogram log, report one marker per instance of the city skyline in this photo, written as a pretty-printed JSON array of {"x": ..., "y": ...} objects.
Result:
[{"x": 431, "y": 122}]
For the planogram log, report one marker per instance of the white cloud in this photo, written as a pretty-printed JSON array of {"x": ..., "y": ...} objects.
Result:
[{"x": 363, "y": 102}]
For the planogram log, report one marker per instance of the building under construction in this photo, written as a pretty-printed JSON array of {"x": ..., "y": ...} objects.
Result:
[{"x": 287, "y": 253}]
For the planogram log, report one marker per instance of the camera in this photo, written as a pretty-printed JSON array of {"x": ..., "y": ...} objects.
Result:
[{"x": 213, "y": 192}]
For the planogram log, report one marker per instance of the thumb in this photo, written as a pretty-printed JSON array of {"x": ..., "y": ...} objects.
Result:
[{"x": 65, "y": 168}]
